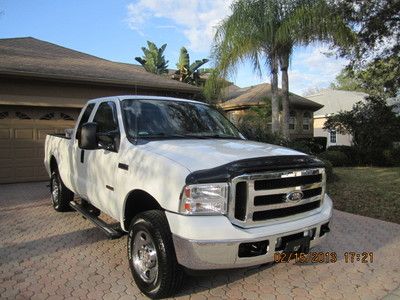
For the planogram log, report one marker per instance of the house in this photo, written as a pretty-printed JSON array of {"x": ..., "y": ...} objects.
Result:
[
  {"x": 43, "y": 86},
  {"x": 238, "y": 101},
  {"x": 334, "y": 101}
]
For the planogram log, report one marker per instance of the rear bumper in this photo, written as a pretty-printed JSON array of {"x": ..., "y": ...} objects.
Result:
[{"x": 212, "y": 243}]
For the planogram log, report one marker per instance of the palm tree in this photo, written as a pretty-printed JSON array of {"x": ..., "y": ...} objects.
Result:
[
  {"x": 265, "y": 31},
  {"x": 187, "y": 72},
  {"x": 303, "y": 22},
  {"x": 153, "y": 59}
]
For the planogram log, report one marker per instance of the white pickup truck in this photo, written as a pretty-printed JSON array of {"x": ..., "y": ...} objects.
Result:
[{"x": 189, "y": 189}]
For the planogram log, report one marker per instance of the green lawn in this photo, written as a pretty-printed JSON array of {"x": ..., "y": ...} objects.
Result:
[{"x": 367, "y": 191}]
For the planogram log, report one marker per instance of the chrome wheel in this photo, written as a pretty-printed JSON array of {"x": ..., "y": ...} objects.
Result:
[
  {"x": 144, "y": 257},
  {"x": 55, "y": 190}
]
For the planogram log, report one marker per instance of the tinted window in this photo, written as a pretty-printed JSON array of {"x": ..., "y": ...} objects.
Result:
[
  {"x": 106, "y": 117},
  {"x": 84, "y": 119},
  {"x": 167, "y": 118}
]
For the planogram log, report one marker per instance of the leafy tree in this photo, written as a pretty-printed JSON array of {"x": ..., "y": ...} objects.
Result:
[
  {"x": 153, "y": 59},
  {"x": 266, "y": 31},
  {"x": 381, "y": 77},
  {"x": 373, "y": 125},
  {"x": 347, "y": 81},
  {"x": 214, "y": 86},
  {"x": 377, "y": 23},
  {"x": 187, "y": 72}
]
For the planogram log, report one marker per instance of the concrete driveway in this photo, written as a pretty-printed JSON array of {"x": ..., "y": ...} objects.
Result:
[{"x": 49, "y": 255}]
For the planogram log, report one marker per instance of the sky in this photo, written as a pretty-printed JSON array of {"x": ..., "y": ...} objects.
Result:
[{"x": 117, "y": 29}]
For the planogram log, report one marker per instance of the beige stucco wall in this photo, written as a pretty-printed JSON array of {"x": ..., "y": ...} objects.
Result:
[
  {"x": 341, "y": 139},
  {"x": 63, "y": 94}
]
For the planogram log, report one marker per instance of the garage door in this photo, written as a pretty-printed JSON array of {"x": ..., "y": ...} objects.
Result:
[{"x": 22, "y": 134}]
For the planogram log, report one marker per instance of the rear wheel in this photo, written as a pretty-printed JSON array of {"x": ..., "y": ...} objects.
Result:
[
  {"x": 60, "y": 194},
  {"x": 152, "y": 257}
]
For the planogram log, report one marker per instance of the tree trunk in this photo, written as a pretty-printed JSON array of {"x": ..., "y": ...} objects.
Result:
[
  {"x": 274, "y": 98},
  {"x": 284, "y": 61}
]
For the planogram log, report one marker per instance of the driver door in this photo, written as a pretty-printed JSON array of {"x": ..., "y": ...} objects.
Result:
[{"x": 102, "y": 163}]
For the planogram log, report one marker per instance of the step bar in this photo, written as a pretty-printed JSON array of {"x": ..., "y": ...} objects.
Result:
[{"x": 108, "y": 229}]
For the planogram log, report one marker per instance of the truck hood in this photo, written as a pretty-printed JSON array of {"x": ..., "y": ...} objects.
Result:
[{"x": 200, "y": 154}]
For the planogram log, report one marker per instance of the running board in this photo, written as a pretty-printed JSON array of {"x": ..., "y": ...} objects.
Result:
[{"x": 108, "y": 229}]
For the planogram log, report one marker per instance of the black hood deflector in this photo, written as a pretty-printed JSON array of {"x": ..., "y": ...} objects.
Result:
[{"x": 230, "y": 170}]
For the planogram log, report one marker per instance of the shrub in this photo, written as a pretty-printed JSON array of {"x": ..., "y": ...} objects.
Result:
[
  {"x": 351, "y": 152},
  {"x": 328, "y": 170},
  {"x": 300, "y": 145},
  {"x": 390, "y": 157},
  {"x": 316, "y": 145},
  {"x": 260, "y": 132},
  {"x": 396, "y": 156},
  {"x": 337, "y": 158}
]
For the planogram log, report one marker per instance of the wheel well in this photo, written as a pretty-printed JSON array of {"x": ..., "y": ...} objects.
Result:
[
  {"x": 53, "y": 164},
  {"x": 138, "y": 201}
]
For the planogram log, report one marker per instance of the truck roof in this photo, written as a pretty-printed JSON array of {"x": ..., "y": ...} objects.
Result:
[{"x": 144, "y": 97}]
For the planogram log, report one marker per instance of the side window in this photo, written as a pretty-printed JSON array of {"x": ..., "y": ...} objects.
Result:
[
  {"x": 106, "y": 117},
  {"x": 306, "y": 121},
  {"x": 84, "y": 119},
  {"x": 292, "y": 120},
  {"x": 332, "y": 136}
]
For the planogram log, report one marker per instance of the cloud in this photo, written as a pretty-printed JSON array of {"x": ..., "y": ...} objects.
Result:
[
  {"x": 195, "y": 18},
  {"x": 312, "y": 68}
]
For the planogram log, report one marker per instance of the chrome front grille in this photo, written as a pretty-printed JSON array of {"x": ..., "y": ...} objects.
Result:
[{"x": 262, "y": 198}]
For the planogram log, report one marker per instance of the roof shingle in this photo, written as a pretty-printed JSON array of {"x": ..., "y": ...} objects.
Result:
[
  {"x": 36, "y": 58},
  {"x": 252, "y": 96}
]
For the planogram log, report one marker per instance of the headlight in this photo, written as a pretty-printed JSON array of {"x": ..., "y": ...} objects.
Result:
[{"x": 205, "y": 199}]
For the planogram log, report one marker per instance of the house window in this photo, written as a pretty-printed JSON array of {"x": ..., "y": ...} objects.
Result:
[
  {"x": 66, "y": 117},
  {"x": 48, "y": 116},
  {"x": 3, "y": 114},
  {"x": 22, "y": 116},
  {"x": 306, "y": 121},
  {"x": 292, "y": 120},
  {"x": 332, "y": 136}
]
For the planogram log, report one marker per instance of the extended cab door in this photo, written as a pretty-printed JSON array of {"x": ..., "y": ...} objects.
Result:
[
  {"x": 103, "y": 162},
  {"x": 78, "y": 163}
]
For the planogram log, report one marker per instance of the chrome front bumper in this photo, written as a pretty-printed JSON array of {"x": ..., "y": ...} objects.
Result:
[{"x": 202, "y": 254}]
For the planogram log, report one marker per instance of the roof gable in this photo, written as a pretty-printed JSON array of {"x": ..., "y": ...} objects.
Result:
[{"x": 254, "y": 96}]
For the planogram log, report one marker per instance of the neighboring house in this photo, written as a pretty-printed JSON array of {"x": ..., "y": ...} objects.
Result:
[
  {"x": 334, "y": 101},
  {"x": 238, "y": 101},
  {"x": 43, "y": 86}
]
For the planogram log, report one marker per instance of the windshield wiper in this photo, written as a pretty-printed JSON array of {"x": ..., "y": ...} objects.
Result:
[
  {"x": 188, "y": 136},
  {"x": 219, "y": 136},
  {"x": 161, "y": 134}
]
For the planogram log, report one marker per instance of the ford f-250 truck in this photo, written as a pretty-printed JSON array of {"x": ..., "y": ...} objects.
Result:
[{"x": 189, "y": 189}]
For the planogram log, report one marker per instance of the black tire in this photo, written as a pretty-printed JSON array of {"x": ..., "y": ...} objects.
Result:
[
  {"x": 61, "y": 196},
  {"x": 169, "y": 276}
]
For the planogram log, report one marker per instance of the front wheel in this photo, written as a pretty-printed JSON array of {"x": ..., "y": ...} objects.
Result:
[
  {"x": 61, "y": 196},
  {"x": 152, "y": 257}
]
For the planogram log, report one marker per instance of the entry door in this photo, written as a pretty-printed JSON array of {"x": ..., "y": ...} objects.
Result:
[
  {"x": 80, "y": 172},
  {"x": 102, "y": 164}
]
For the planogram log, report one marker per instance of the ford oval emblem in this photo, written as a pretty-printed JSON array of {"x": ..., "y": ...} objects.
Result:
[{"x": 294, "y": 196}]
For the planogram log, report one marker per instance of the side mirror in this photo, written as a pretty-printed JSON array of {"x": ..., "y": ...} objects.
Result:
[
  {"x": 88, "y": 140},
  {"x": 108, "y": 140}
]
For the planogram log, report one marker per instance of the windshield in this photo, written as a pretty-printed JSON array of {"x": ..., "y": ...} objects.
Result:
[{"x": 175, "y": 119}]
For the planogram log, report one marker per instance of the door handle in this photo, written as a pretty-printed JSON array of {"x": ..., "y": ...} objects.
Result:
[
  {"x": 123, "y": 166},
  {"x": 82, "y": 156}
]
